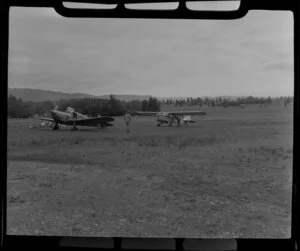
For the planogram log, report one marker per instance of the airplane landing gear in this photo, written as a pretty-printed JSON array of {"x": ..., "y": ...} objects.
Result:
[
  {"x": 170, "y": 122},
  {"x": 178, "y": 121},
  {"x": 55, "y": 127},
  {"x": 104, "y": 125},
  {"x": 74, "y": 128}
]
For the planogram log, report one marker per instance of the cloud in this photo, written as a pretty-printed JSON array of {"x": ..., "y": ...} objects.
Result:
[{"x": 157, "y": 57}]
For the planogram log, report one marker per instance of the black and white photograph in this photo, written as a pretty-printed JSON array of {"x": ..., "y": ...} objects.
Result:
[{"x": 150, "y": 128}]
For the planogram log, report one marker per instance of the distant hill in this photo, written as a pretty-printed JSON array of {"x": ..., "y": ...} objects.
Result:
[
  {"x": 35, "y": 95},
  {"x": 127, "y": 97},
  {"x": 43, "y": 95}
]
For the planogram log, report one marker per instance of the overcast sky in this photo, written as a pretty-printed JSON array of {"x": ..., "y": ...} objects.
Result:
[{"x": 250, "y": 56}]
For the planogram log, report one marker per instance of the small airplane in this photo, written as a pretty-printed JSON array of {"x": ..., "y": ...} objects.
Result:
[
  {"x": 73, "y": 118},
  {"x": 169, "y": 117}
]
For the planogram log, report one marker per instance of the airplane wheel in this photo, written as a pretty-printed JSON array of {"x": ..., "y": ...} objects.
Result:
[{"x": 74, "y": 128}]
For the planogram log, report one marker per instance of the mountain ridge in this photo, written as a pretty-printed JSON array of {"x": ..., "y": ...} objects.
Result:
[{"x": 36, "y": 95}]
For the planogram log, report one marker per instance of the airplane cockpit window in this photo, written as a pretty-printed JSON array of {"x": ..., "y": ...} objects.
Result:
[{"x": 207, "y": 151}]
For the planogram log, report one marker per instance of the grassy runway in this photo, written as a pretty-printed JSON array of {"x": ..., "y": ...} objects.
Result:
[{"x": 228, "y": 175}]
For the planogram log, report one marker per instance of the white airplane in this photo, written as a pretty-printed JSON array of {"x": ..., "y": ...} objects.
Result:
[
  {"x": 169, "y": 117},
  {"x": 70, "y": 117}
]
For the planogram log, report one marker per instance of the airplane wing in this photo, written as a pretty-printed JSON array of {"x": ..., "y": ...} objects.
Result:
[
  {"x": 183, "y": 113},
  {"x": 147, "y": 113},
  {"x": 47, "y": 119},
  {"x": 92, "y": 121}
]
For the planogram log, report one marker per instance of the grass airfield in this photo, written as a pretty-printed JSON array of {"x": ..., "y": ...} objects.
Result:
[{"x": 229, "y": 175}]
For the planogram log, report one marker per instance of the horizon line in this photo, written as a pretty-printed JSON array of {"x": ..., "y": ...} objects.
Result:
[{"x": 159, "y": 97}]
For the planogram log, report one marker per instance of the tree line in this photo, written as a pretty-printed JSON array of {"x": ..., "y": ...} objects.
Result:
[
  {"x": 225, "y": 101},
  {"x": 17, "y": 108}
]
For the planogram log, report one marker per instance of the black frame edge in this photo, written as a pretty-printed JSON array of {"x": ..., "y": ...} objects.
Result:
[
  {"x": 242, "y": 244},
  {"x": 4, "y": 28},
  {"x": 295, "y": 229}
]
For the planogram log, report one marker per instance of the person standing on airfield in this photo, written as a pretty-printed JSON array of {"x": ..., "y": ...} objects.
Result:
[{"x": 127, "y": 119}]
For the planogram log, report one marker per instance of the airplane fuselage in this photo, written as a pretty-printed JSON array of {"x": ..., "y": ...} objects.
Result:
[
  {"x": 173, "y": 116},
  {"x": 66, "y": 118},
  {"x": 72, "y": 118},
  {"x": 166, "y": 118}
]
